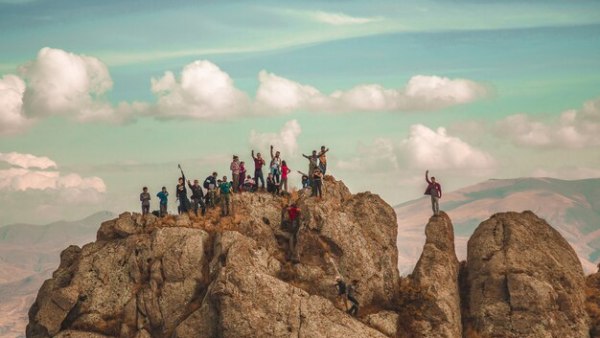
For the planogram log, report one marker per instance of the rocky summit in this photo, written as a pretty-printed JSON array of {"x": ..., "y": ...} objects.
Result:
[{"x": 237, "y": 276}]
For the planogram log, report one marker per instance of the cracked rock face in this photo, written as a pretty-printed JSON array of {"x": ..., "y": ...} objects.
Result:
[
  {"x": 227, "y": 277},
  {"x": 524, "y": 280}
]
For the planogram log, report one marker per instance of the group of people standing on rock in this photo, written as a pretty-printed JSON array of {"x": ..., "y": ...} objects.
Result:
[{"x": 220, "y": 190}]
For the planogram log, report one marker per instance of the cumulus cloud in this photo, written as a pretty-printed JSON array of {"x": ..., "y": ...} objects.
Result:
[
  {"x": 286, "y": 140},
  {"x": 281, "y": 95},
  {"x": 27, "y": 160},
  {"x": 423, "y": 148},
  {"x": 340, "y": 19},
  {"x": 20, "y": 176},
  {"x": 203, "y": 91},
  {"x": 12, "y": 118},
  {"x": 428, "y": 148},
  {"x": 574, "y": 129}
]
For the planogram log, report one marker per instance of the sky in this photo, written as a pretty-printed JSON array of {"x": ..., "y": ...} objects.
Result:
[{"x": 98, "y": 99}]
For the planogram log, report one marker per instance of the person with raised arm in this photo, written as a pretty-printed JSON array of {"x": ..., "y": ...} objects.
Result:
[
  {"x": 312, "y": 164},
  {"x": 434, "y": 189},
  {"x": 275, "y": 165},
  {"x": 323, "y": 159},
  {"x": 181, "y": 191}
]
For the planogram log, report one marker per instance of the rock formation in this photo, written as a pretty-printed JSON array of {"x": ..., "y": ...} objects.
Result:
[
  {"x": 436, "y": 274},
  {"x": 524, "y": 280},
  {"x": 228, "y": 277},
  {"x": 187, "y": 276}
]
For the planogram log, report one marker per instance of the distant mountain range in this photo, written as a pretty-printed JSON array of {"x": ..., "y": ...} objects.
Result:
[
  {"x": 28, "y": 256},
  {"x": 572, "y": 207}
]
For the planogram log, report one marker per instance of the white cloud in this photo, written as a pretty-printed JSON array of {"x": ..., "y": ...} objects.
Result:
[
  {"x": 424, "y": 148},
  {"x": 21, "y": 177},
  {"x": 286, "y": 140},
  {"x": 204, "y": 91},
  {"x": 280, "y": 95},
  {"x": 427, "y": 148},
  {"x": 63, "y": 83},
  {"x": 339, "y": 19},
  {"x": 574, "y": 129},
  {"x": 12, "y": 118},
  {"x": 27, "y": 160}
]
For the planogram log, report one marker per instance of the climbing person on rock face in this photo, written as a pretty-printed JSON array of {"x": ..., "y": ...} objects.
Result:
[
  {"x": 210, "y": 184},
  {"x": 434, "y": 189},
  {"x": 145, "y": 199},
  {"x": 258, "y": 173},
  {"x": 323, "y": 159},
  {"x": 235, "y": 172},
  {"x": 293, "y": 213},
  {"x": 181, "y": 191},
  {"x": 225, "y": 189},
  {"x": 163, "y": 196},
  {"x": 350, "y": 291},
  {"x": 275, "y": 165},
  {"x": 341, "y": 291},
  {"x": 197, "y": 197}
]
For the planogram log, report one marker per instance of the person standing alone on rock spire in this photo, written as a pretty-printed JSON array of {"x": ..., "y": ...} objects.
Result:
[{"x": 434, "y": 189}]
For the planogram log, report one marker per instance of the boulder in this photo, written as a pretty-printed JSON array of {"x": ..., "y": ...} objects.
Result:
[{"x": 524, "y": 280}]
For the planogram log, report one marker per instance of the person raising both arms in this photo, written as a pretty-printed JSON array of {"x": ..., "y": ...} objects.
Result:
[
  {"x": 259, "y": 162},
  {"x": 434, "y": 189}
]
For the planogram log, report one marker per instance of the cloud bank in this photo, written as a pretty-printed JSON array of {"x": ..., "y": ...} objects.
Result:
[
  {"x": 59, "y": 83},
  {"x": 286, "y": 140}
]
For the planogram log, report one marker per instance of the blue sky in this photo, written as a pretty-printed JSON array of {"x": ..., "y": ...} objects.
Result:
[{"x": 115, "y": 94}]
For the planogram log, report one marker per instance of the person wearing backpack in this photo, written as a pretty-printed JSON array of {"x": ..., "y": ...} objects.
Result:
[
  {"x": 197, "y": 197},
  {"x": 350, "y": 291},
  {"x": 434, "y": 189},
  {"x": 225, "y": 189},
  {"x": 210, "y": 184}
]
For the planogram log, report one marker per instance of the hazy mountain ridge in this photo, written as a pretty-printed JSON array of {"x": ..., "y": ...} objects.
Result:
[
  {"x": 28, "y": 255},
  {"x": 572, "y": 207}
]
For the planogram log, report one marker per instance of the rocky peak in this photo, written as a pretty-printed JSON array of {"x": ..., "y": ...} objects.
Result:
[{"x": 208, "y": 276}]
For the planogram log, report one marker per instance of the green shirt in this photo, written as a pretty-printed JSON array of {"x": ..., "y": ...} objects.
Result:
[{"x": 225, "y": 187}]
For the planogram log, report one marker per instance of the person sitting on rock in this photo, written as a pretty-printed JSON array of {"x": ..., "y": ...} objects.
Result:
[
  {"x": 434, "y": 189},
  {"x": 210, "y": 184},
  {"x": 350, "y": 291},
  {"x": 249, "y": 183},
  {"x": 305, "y": 180},
  {"x": 163, "y": 196},
  {"x": 272, "y": 185},
  {"x": 197, "y": 197},
  {"x": 225, "y": 190},
  {"x": 341, "y": 291},
  {"x": 145, "y": 199}
]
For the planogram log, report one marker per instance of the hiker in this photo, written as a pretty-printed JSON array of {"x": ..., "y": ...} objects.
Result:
[
  {"x": 275, "y": 165},
  {"x": 341, "y": 291},
  {"x": 235, "y": 172},
  {"x": 434, "y": 189},
  {"x": 272, "y": 185},
  {"x": 145, "y": 199},
  {"x": 317, "y": 183},
  {"x": 181, "y": 191},
  {"x": 323, "y": 159},
  {"x": 294, "y": 216},
  {"x": 249, "y": 183},
  {"x": 305, "y": 180},
  {"x": 284, "y": 175},
  {"x": 350, "y": 291},
  {"x": 258, "y": 173},
  {"x": 210, "y": 184},
  {"x": 197, "y": 197},
  {"x": 312, "y": 164},
  {"x": 225, "y": 188},
  {"x": 163, "y": 196},
  {"x": 242, "y": 175}
]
